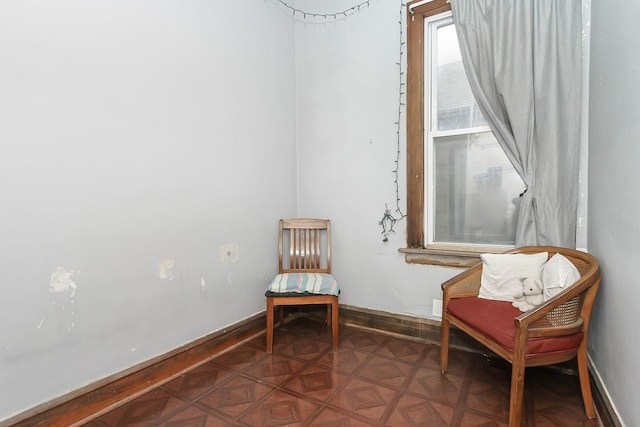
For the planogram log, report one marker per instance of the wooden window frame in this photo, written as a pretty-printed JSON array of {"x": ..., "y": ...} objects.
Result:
[
  {"x": 416, "y": 251},
  {"x": 415, "y": 116}
]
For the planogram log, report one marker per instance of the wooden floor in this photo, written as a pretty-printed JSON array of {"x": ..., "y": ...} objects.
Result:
[{"x": 374, "y": 380}]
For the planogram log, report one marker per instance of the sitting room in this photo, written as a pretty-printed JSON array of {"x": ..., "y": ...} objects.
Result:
[{"x": 151, "y": 147}]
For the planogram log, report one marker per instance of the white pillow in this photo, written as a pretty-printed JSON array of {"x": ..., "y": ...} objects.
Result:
[
  {"x": 502, "y": 274},
  {"x": 558, "y": 273}
]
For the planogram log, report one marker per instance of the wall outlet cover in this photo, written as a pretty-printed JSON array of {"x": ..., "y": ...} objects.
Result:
[{"x": 229, "y": 253}]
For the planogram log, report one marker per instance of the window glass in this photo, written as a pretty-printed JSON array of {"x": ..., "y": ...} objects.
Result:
[
  {"x": 472, "y": 188},
  {"x": 476, "y": 191},
  {"x": 456, "y": 106}
]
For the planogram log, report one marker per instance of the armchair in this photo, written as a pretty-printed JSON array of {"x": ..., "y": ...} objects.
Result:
[{"x": 553, "y": 332}]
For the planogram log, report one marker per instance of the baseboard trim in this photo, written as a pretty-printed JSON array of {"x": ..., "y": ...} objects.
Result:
[
  {"x": 417, "y": 328},
  {"x": 87, "y": 403},
  {"x": 605, "y": 407}
]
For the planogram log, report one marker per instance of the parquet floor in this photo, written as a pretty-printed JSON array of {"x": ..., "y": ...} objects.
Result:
[{"x": 374, "y": 380}]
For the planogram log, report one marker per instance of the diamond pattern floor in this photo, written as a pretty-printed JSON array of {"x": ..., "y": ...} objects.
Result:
[{"x": 374, "y": 380}]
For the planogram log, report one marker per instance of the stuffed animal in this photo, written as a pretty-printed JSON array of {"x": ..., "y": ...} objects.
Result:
[{"x": 531, "y": 295}]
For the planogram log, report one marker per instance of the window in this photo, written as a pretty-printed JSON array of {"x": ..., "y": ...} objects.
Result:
[{"x": 462, "y": 190}]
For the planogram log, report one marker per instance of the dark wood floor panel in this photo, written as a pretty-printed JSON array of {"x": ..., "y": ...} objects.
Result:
[{"x": 374, "y": 380}]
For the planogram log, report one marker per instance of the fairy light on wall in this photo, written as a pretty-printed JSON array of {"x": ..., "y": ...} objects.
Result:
[
  {"x": 334, "y": 15},
  {"x": 389, "y": 219}
]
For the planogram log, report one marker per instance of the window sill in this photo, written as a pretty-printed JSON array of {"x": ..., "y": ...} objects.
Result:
[{"x": 446, "y": 257}]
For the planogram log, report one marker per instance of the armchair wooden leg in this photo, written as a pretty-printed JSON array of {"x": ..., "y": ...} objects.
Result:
[
  {"x": 270, "y": 315},
  {"x": 585, "y": 384},
  {"x": 516, "y": 396},
  {"x": 444, "y": 345}
]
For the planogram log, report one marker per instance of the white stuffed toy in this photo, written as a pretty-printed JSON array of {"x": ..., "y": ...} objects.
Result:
[{"x": 531, "y": 295}]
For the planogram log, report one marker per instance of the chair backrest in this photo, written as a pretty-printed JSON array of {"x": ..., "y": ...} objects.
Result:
[
  {"x": 577, "y": 299},
  {"x": 304, "y": 244}
]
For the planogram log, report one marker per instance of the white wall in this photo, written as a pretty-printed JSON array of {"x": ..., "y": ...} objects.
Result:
[
  {"x": 131, "y": 131},
  {"x": 614, "y": 200},
  {"x": 348, "y": 87}
]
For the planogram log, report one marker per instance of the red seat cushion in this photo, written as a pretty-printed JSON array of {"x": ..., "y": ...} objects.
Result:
[{"x": 495, "y": 320}]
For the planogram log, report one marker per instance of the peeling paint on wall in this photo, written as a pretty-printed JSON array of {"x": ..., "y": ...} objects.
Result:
[
  {"x": 61, "y": 311},
  {"x": 62, "y": 280},
  {"x": 167, "y": 268}
]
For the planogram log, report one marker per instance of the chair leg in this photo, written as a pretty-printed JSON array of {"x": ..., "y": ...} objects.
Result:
[
  {"x": 516, "y": 395},
  {"x": 585, "y": 385},
  {"x": 444, "y": 345},
  {"x": 270, "y": 315},
  {"x": 334, "y": 322}
]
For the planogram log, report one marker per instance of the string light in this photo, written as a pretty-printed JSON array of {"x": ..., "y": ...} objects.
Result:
[
  {"x": 389, "y": 220},
  {"x": 334, "y": 15}
]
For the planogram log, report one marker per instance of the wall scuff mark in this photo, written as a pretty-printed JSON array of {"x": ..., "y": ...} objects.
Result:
[
  {"x": 62, "y": 282},
  {"x": 167, "y": 268}
]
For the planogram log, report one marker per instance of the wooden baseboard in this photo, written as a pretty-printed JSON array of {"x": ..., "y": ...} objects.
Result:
[
  {"x": 420, "y": 329},
  {"x": 607, "y": 413},
  {"x": 87, "y": 403},
  {"x": 100, "y": 397}
]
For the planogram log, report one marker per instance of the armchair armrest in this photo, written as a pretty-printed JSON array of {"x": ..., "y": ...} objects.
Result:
[{"x": 566, "y": 312}]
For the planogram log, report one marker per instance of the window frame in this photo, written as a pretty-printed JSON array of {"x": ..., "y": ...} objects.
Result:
[
  {"x": 418, "y": 249},
  {"x": 432, "y": 132},
  {"x": 416, "y": 115}
]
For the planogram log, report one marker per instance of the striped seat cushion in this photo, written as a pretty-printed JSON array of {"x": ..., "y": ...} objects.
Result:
[{"x": 303, "y": 283}]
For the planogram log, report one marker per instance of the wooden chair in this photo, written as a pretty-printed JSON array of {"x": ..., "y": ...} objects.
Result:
[
  {"x": 553, "y": 332},
  {"x": 304, "y": 272}
]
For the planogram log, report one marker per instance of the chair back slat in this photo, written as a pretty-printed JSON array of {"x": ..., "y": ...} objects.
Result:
[{"x": 309, "y": 245}]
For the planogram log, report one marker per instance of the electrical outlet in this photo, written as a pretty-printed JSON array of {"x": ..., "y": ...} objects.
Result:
[
  {"x": 436, "y": 308},
  {"x": 229, "y": 253}
]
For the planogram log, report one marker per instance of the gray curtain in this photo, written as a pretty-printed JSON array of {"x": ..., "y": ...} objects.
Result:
[{"x": 523, "y": 62}]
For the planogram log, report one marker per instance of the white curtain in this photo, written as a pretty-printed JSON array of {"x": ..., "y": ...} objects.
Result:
[{"x": 523, "y": 62}]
